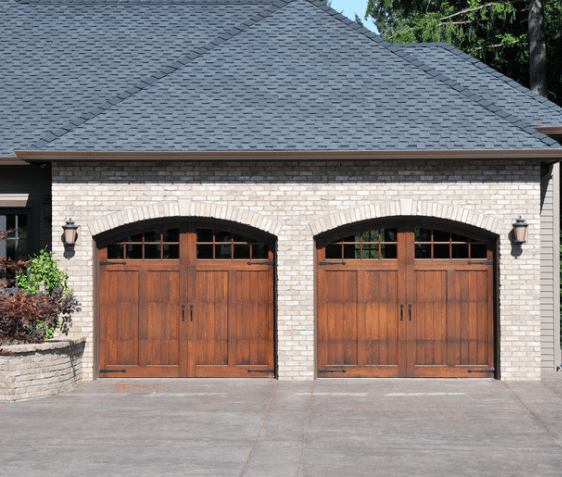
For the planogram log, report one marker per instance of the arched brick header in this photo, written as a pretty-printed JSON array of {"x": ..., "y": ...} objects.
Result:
[
  {"x": 184, "y": 208},
  {"x": 407, "y": 207}
]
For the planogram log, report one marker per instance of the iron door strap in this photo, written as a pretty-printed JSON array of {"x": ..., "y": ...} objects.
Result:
[
  {"x": 113, "y": 263},
  {"x": 261, "y": 370},
  {"x": 113, "y": 370},
  {"x": 489, "y": 370},
  {"x": 331, "y": 370},
  {"x": 260, "y": 263},
  {"x": 331, "y": 263},
  {"x": 485, "y": 262}
]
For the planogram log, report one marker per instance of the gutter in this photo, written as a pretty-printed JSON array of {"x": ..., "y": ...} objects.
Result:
[{"x": 552, "y": 154}]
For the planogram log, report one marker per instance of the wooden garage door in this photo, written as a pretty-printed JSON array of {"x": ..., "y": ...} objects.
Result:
[
  {"x": 405, "y": 301},
  {"x": 188, "y": 301}
]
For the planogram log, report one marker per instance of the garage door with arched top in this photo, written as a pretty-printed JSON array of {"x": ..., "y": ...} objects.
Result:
[
  {"x": 406, "y": 299},
  {"x": 187, "y": 300}
]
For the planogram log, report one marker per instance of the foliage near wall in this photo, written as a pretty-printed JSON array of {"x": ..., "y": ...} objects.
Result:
[{"x": 27, "y": 315}]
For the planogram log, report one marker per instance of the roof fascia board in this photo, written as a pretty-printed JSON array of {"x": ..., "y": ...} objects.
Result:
[
  {"x": 553, "y": 155},
  {"x": 12, "y": 161},
  {"x": 549, "y": 130}
]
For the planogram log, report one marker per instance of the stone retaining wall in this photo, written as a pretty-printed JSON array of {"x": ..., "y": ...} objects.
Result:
[{"x": 40, "y": 369}]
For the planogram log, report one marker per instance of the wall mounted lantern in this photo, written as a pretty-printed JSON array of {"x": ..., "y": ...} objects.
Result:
[
  {"x": 70, "y": 233},
  {"x": 520, "y": 230}
]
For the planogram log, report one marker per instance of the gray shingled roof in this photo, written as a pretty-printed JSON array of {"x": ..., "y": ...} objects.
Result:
[
  {"x": 232, "y": 75},
  {"x": 61, "y": 60},
  {"x": 489, "y": 83}
]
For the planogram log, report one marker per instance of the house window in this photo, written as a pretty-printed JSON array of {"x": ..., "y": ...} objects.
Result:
[{"x": 15, "y": 226}]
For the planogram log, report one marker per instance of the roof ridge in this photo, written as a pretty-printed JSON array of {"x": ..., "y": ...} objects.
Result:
[
  {"x": 396, "y": 48},
  {"x": 486, "y": 69},
  {"x": 145, "y": 83}
]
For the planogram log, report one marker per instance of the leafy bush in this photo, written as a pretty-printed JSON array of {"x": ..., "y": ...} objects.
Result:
[
  {"x": 43, "y": 268},
  {"x": 27, "y": 315}
]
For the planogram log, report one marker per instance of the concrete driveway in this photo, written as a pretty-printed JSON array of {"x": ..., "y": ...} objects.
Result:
[{"x": 332, "y": 427}]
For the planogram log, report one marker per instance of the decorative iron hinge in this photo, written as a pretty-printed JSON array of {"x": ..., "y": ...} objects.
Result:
[
  {"x": 113, "y": 263},
  {"x": 113, "y": 370},
  {"x": 261, "y": 263},
  {"x": 331, "y": 370},
  {"x": 331, "y": 263},
  {"x": 485, "y": 262},
  {"x": 261, "y": 370},
  {"x": 489, "y": 370}
]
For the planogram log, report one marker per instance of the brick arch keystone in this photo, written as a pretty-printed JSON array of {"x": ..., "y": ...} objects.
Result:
[
  {"x": 407, "y": 207},
  {"x": 184, "y": 208}
]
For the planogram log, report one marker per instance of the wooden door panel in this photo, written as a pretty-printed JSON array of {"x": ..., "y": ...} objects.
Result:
[
  {"x": 337, "y": 327},
  {"x": 452, "y": 323},
  {"x": 160, "y": 314},
  {"x": 382, "y": 318},
  {"x": 234, "y": 323},
  {"x": 119, "y": 318},
  {"x": 252, "y": 327},
  {"x": 210, "y": 325},
  {"x": 473, "y": 302},
  {"x": 428, "y": 318}
]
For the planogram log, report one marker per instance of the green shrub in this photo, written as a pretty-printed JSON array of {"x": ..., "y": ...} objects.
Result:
[{"x": 43, "y": 268}]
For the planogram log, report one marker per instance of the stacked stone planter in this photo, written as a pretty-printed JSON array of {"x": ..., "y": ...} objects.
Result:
[{"x": 40, "y": 369}]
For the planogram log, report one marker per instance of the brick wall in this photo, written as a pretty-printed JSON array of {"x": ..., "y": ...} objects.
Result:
[
  {"x": 37, "y": 370},
  {"x": 295, "y": 201}
]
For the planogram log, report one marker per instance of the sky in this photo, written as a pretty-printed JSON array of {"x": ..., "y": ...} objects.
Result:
[{"x": 350, "y": 7}]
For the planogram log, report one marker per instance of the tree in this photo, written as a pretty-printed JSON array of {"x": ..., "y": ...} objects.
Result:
[{"x": 504, "y": 34}]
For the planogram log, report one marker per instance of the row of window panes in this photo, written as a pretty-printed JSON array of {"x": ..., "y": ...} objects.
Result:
[
  {"x": 166, "y": 236},
  {"x": 149, "y": 245},
  {"x": 143, "y": 251},
  {"x": 223, "y": 245},
  {"x": 361, "y": 251},
  {"x": 211, "y": 245},
  {"x": 448, "y": 251},
  {"x": 368, "y": 245},
  {"x": 438, "y": 244}
]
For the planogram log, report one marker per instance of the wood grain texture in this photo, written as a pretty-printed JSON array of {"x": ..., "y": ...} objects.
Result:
[
  {"x": 187, "y": 317},
  {"x": 406, "y": 317}
]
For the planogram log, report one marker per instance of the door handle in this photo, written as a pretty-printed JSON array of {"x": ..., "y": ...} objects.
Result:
[
  {"x": 183, "y": 313},
  {"x": 401, "y": 311},
  {"x": 410, "y": 310},
  {"x": 191, "y": 311}
]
